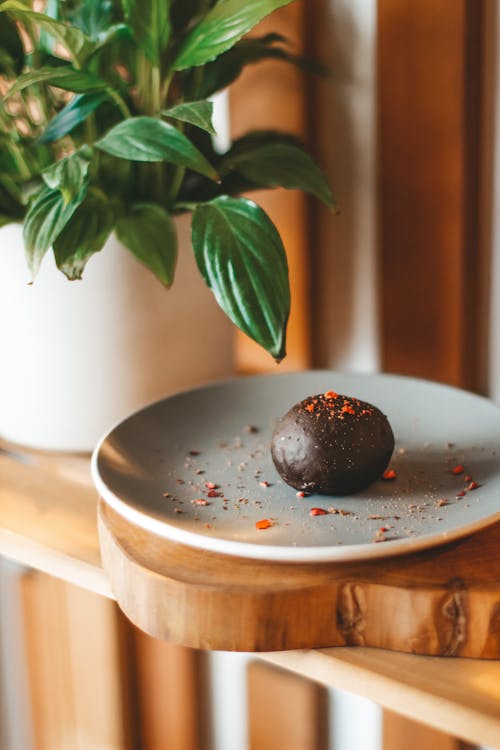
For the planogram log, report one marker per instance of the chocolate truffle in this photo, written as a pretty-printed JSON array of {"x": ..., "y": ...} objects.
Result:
[{"x": 332, "y": 444}]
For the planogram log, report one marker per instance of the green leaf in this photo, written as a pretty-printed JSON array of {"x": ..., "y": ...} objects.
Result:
[
  {"x": 93, "y": 17},
  {"x": 11, "y": 45},
  {"x": 46, "y": 218},
  {"x": 184, "y": 12},
  {"x": 221, "y": 28},
  {"x": 69, "y": 175},
  {"x": 195, "y": 113},
  {"x": 84, "y": 234},
  {"x": 225, "y": 69},
  {"x": 10, "y": 196},
  {"x": 280, "y": 163},
  {"x": 72, "y": 39},
  {"x": 149, "y": 139},
  {"x": 46, "y": 43},
  {"x": 64, "y": 78},
  {"x": 150, "y": 23},
  {"x": 74, "y": 113},
  {"x": 242, "y": 259},
  {"x": 149, "y": 233}
]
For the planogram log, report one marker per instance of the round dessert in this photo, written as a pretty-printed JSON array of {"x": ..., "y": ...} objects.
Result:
[{"x": 332, "y": 444}]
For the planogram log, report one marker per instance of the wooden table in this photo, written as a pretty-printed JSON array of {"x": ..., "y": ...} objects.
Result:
[{"x": 48, "y": 522}]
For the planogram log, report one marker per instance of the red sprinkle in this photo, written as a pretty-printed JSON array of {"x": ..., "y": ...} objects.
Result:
[
  {"x": 461, "y": 493},
  {"x": 301, "y": 494},
  {"x": 383, "y": 529},
  {"x": 467, "y": 478},
  {"x": 200, "y": 501},
  {"x": 388, "y": 475},
  {"x": 264, "y": 524},
  {"x": 331, "y": 394},
  {"x": 213, "y": 493},
  {"x": 347, "y": 410},
  {"x": 309, "y": 407},
  {"x": 264, "y": 484},
  {"x": 473, "y": 486},
  {"x": 459, "y": 469},
  {"x": 318, "y": 512},
  {"x": 211, "y": 486}
]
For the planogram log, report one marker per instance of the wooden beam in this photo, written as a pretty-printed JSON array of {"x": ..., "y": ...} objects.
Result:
[
  {"x": 429, "y": 93},
  {"x": 285, "y": 711},
  {"x": 400, "y": 732},
  {"x": 75, "y": 667},
  {"x": 170, "y": 686}
]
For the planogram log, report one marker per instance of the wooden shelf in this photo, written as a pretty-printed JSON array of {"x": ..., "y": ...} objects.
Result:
[{"x": 48, "y": 521}]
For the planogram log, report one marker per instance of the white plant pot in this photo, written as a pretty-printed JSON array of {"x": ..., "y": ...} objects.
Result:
[{"x": 76, "y": 357}]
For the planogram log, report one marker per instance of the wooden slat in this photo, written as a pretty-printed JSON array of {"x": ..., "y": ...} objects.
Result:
[
  {"x": 429, "y": 160},
  {"x": 170, "y": 686},
  {"x": 74, "y": 667},
  {"x": 457, "y": 696},
  {"x": 400, "y": 733},
  {"x": 286, "y": 711},
  {"x": 434, "y": 250},
  {"x": 272, "y": 95}
]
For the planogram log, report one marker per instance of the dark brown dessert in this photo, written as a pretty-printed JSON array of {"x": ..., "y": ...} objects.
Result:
[{"x": 332, "y": 444}]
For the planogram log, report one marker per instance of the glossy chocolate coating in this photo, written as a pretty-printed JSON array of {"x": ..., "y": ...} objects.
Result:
[{"x": 332, "y": 445}]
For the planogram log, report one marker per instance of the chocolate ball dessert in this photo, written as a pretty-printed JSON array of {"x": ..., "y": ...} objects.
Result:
[{"x": 332, "y": 444}]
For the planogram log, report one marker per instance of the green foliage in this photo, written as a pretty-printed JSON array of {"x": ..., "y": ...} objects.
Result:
[
  {"x": 149, "y": 139},
  {"x": 242, "y": 259},
  {"x": 148, "y": 231},
  {"x": 106, "y": 125}
]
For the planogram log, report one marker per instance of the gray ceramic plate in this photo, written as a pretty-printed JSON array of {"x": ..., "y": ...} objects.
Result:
[{"x": 154, "y": 466}]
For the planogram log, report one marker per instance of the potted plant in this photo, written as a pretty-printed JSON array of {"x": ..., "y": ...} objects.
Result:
[{"x": 106, "y": 138}]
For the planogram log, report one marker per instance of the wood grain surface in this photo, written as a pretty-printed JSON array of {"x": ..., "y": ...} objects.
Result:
[
  {"x": 77, "y": 670},
  {"x": 400, "y": 732},
  {"x": 429, "y": 103},
  {"x": 285, "y": 710},
  {"x": 443, "y": 601}
]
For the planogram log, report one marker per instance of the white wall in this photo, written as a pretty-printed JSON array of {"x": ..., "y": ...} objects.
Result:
[{"x": 346, "y": 144}]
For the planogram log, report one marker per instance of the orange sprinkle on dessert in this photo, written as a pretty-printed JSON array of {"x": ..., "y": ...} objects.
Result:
[
  {"x": 331, "y": 394},
  {"x": 346, "y": 409},
  {"x": 309, "y": 407}
]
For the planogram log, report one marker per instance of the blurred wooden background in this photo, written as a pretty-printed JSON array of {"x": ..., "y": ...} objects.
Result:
[{"x": 399, "y": 280}]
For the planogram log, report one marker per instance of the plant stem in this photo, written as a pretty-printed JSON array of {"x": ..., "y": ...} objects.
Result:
[{"x": 120, "y": 103}]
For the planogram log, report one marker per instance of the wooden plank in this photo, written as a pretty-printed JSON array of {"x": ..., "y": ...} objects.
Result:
[
  {"x": 285, "y": 711},
  {"x": 271, "y": 95},
  {"x": 74, "y": 667},
  {"x": 172, "y": 705},
  {"x": 400, "y": 732},
  {"x": 457, "y": 696},
  {"x": 48, "y": 516},
  {"x": 428, "y": 156}
]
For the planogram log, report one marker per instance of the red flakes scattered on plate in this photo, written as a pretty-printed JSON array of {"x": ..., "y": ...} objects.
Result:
[
  {"x": 389, "y": 475},
  {"x": 318, "y": 512},
  {"x": 265, "y": 523}
]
